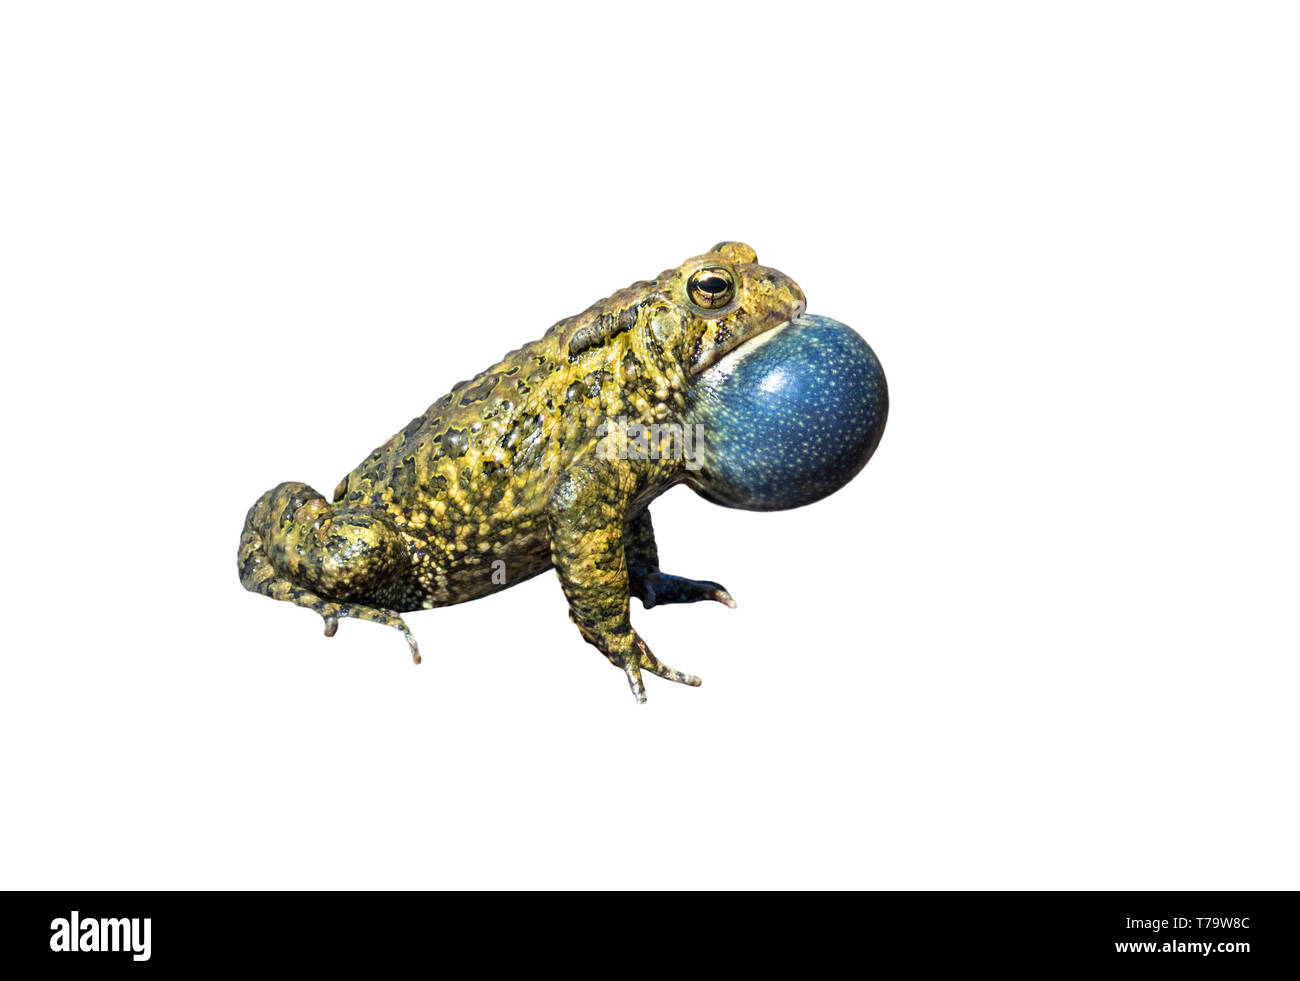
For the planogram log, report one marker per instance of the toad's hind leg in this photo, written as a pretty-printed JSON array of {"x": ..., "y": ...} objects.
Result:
[{"x": 298, "y": 548}]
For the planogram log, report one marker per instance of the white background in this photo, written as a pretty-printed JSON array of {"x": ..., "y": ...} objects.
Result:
[{"x": 1047, "y": 639}]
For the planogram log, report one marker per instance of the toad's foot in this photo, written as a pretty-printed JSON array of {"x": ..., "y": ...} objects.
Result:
[
  {"x": 653, "y": 587},
  {"x": 332, "y": 611},
  {"x": 643, "y": 658},
  {"x": 660, "y": 589},
  {"x": 299, "y": 548},
  {"x": 633, "y": 662}
]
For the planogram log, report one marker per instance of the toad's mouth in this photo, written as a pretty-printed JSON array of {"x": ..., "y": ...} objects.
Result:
[{"x": 725, "y": 356}]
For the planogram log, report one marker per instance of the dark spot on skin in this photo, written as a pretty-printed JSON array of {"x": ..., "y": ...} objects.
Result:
[
  {"x": 584, "y": 338},
  {"x": 413, "y": 427},
  {"x": 456, "y": 444},
  {"x": 600, "y": 330},
  {"x": 480, "y": 391},
  {"x": 404, "y": 479},
  {"x": 465, "y": 479}
]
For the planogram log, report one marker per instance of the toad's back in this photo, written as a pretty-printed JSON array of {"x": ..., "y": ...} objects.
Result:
[{"x": 466, "y": 484}]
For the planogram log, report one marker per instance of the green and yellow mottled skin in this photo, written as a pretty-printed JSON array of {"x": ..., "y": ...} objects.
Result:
[{"x": 503, "y": 477}]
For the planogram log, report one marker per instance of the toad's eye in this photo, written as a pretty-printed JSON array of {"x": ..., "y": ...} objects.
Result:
[{"x": 711, "y": 287}]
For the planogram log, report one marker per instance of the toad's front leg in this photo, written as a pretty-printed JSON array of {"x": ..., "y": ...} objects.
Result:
[{"x": 587, "y": 513}]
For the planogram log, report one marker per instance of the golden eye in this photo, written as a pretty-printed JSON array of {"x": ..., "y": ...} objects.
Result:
[{"x": 711, "y": 287}]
